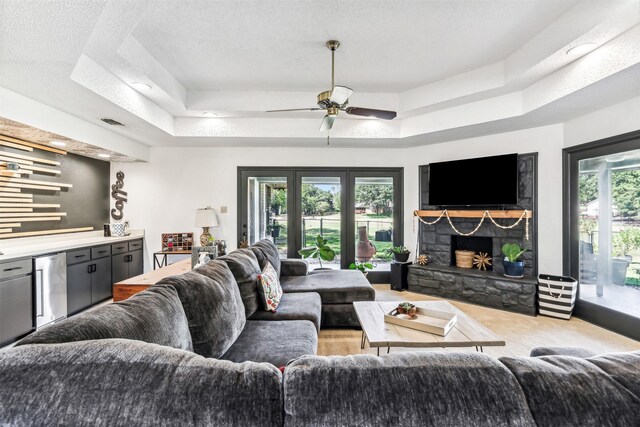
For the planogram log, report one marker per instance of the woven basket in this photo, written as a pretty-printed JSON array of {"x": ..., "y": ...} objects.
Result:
[{"x": 464, "y": 259}]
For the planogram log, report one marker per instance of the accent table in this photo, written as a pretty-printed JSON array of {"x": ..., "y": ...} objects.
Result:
[
  {"x": 466, "y": 332},
  {"x": 126, "y": 288}
]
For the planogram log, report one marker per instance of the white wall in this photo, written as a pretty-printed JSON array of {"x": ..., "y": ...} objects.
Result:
[
  {"x": 613, "y": 120},
  {"x": 164, "y": 194}
]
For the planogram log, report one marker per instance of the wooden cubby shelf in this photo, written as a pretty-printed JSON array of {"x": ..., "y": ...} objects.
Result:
[{"x": 496, "y": 214}]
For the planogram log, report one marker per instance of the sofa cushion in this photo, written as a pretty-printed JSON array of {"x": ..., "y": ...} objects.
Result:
[
  {"x": 334, "y": 287},
  {"x": 245, "y": 268},
  {"x": 154, "y": 315},
  {"x": 404, "y": 389},
  {"x": 274, "y": 341},
  {"x": 270, "y": 289},
  {"x": 622, "y": 367},
  {"x": 571, "y": 391},
  {"x": 213, "y": 307},
  {"x": 265, "y": 250},
  {"x": 562, "y": 351},
  {"x": 295, "y": 306},
  {"x": 131, "y": 383},
  {"x": 294, "y": 267}
]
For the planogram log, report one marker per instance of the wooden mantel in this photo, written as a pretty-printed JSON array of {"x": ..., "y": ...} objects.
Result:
[{"x": 496, "y": 214}]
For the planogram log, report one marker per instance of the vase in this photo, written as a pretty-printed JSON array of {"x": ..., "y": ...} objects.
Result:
[
  {"x": 401, "y": 257},
  {"x": 364, "y": 248},
  {"x": 513, "y": 269}
]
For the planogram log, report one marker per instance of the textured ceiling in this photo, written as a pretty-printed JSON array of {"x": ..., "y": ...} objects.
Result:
[
  {"x": 450, "y": 68},
  {"x": 388, "y": 46}
]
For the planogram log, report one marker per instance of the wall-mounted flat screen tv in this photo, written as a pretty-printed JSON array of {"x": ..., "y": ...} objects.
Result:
[{"x": 482, "y": 182}]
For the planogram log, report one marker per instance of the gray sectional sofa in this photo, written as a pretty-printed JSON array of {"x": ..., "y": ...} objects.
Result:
[
  {"x": 215, "y": 310},
  {"x": 118, "y": 382},
  {"x": 197, "y": 350}
]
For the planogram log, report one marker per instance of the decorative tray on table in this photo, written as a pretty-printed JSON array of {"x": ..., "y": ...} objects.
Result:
[{"x": 425, "y": 320}]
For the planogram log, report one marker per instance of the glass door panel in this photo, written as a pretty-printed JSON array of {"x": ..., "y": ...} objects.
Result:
[
  {"x": 609, "y": 224},
  {"x": 320, "y": 207},
  {"x": 267, "y": 210},
  {"x": 373, "y": 220}
]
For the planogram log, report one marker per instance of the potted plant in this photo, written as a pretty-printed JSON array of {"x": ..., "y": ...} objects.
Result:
[
  {"x": 362, "y": 266},
  {"x": 625, "y": 241},
  {"x": 400, "y": 253},
  {"x": 512, "y": 267},
  {"x": 321, "y": 251}
]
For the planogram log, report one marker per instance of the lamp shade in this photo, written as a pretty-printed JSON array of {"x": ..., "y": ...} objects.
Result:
[{"x": 206, "y": 217}]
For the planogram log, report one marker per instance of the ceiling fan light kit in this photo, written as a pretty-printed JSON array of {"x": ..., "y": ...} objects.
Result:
[{"x": 337, "y": 99}]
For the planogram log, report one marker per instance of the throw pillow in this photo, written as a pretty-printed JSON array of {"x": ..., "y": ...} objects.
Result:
[{"x": 270, "y": 288}]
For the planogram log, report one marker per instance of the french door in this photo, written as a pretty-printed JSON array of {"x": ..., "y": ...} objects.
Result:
[
  {"x": 602, "y": 230},
  {"x": 357, "y": 210}
]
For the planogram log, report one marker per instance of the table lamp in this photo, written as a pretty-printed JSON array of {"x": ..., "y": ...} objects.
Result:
[{"x": 205, "y": 218}]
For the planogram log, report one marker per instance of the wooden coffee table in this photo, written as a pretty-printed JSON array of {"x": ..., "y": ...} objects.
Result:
[{"x": 466, "y": 332}]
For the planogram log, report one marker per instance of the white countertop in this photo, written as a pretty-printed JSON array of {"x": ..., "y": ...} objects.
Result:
[{"x": 33, "y": 246}]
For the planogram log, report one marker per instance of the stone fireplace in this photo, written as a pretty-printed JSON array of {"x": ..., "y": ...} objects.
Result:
[{"x": 442, "y": 278}]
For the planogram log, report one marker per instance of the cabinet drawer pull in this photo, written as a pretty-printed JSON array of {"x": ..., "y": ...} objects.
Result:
[
  {"x": 102, "y": 252},
  {"x": 12, "y": 268},
  {"x": 79, "y": 256}
]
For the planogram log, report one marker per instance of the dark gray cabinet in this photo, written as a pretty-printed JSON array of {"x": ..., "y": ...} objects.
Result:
[
  {"x": 88, "y": 277},
  {"x": 126, "y": 264},
  {"x": 16, "y": 299},
  {"x": 78, "y": 287}
]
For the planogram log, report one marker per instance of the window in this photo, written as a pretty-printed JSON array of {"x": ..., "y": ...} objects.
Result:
[
  {"x": 357, "y": 210},
  {"x": 602, "y": 236}
]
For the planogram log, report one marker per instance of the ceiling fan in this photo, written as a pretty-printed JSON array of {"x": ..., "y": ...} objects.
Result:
[{"x": 336, "y": 100}]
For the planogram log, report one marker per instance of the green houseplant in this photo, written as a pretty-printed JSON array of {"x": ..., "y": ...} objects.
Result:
[
  {"x": 512, "y": 267},
  {"x": 363, "y": 267},
  {"x": 321, "y": 251},
  {"x": 400, "y": 253}
]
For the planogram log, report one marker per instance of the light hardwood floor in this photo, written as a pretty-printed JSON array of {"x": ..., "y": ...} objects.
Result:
[{"x": 521, "y": 333}]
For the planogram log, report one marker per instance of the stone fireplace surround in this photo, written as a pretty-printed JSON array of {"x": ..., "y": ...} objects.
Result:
[{"x": 490, "y": 288}]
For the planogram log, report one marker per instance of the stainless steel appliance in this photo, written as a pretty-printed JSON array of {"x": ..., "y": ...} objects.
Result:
[{"x": 51, "y": 288}]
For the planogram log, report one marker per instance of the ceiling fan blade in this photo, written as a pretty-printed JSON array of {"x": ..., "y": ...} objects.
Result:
[
  {"x": 340, "y": 94},
  {"x": 294, "y": 109},
  {"x": 327, "y": 122},
  {"x": 370, "y": 112}
]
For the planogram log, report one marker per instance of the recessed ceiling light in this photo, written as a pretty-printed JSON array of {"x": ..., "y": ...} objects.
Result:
[
  {"x": 209, "y": 114},
  {"x": 58, "y": 143},
  {"x": 141, "y": 86},
  {"x": 581, "y": 49},
  {"x": 104, "y": 156}
]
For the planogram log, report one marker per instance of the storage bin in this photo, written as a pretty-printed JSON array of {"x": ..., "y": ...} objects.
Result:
[{"x": 557, "y": 295}]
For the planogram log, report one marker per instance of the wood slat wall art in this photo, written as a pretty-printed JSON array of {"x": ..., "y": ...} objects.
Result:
[
  {"x": 29, "y": 205},
  {"x": 33, "y": 181},
  {"x": 45, "y": 170},
  {"x": 33, "y": 187},
  {"x": 45, "y": 232},
  {"x": 16, "y": 146},
  {"x": 11, "y": 199},
  {"x": 13, "y": 215},
  {"x": 6, "y": 160},
  {"x": 20, "y": 195},
  {"x": 32, "y": 159},
  {"x": 14, "y": 174},
  {"x": 16, "y": 205},
  {"x": 10, "y": 139},
  {"x": 16, "y": 209},
  {"x": 47, "y": 218}
]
